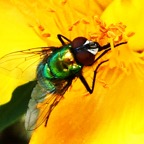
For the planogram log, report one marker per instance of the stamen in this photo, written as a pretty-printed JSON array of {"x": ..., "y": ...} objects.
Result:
[
  {"x": 111, "y": 44},
  {"x": 41, "y": 28},
  {"x": 46, "y": 35},
  {"x": 74, "y": 24},
  {"x": 83, "y": 21},
  {"x": 64, "y": 2}
]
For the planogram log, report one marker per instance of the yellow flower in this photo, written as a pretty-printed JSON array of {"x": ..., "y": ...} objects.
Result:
[
  {"x": 114, "y": 112},
  {"x": 14, "y": 35}
]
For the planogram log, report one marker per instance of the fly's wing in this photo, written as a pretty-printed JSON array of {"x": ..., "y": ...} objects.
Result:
[
  {"x": 20, "y": 67},
  {"x": 22, "y": 63},
  {"x": 43, "y": 102},
  {"x": 38, "y": 96}
]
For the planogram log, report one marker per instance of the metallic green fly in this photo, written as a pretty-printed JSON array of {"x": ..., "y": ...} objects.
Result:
[{"x": 57, "y": 68}]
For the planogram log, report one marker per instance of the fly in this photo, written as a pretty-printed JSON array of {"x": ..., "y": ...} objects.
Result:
[{"x": 57, "y": 68}]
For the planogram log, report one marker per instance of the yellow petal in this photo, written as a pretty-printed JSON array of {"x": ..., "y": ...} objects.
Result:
[
  {"x": 19, "y": 31},
  {"x": 130, "y": 13},
  {"x": 14, "y": 35},
  {"x": 114, "y": 112},
  {"x": 49, "y": 18},
  {"x": 94, "y": 118}
]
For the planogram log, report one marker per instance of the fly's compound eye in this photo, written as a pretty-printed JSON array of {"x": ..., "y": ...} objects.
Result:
[{"x": 84, "y": 50}]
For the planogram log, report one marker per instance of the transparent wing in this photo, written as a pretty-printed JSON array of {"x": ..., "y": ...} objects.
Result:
[
  {"x": 38, "y": 107},
  {"x": 22, "y": 63},
  {"x": 42, "y": 104}
]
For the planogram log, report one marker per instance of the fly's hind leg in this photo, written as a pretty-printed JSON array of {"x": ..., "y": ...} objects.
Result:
[
  {"x": 58, "y": 98},
  {"x": 52, "y": 106}
]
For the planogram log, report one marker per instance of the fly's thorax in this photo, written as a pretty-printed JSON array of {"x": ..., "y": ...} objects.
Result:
[
  {"x": 60, "y": 64},
  {"x": 44, "y": 77}
]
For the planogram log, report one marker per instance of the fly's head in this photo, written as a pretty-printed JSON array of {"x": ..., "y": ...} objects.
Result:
[{"x": 84, "y": 50}]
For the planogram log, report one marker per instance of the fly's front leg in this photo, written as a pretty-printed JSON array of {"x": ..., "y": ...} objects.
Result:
[
  {"x": 83, "y": 80},
  {"x": 106, "y": 49},
  {"x": 101, "y": 55},
  {"x": 62, "y": 38}
]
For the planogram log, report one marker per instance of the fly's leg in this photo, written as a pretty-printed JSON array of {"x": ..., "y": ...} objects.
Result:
[
  {"x": 61, "y": 39},
  {"x": 52, "y": 106},
  {"x": 107, "y": 48},
  {"x": 57, "y": 100},
  {"x": 90, "y": 90},
  {"x": 100, "y": 56}
]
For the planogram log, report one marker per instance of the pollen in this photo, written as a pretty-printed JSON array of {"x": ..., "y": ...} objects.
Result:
[
  {"x": 41, "y": 28},
  {"x": 114, "y": 32},
  {"x": 46, "y": 35}
]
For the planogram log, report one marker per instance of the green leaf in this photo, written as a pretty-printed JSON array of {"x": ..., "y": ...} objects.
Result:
[{"x": 12, "y": 111}]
